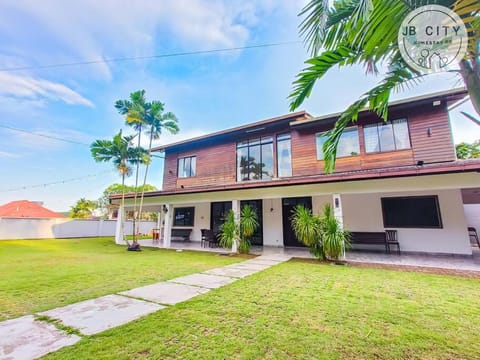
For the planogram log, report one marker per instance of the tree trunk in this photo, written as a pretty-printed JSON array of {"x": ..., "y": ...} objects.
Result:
[
  {"x": 472, "y": 81},
  {"x": 145, "y": 176},
  {"x": 122, "y": 213},
  {"x": 135, "y": 240}
]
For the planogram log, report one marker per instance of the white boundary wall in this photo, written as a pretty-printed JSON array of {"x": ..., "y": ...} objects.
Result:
[{"x": 22, "y": 228}]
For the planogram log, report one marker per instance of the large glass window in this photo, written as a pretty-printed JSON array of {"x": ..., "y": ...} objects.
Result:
[
  {"x": 411, "y": 212},
  {"x": 284, "y": 155},
  {"x": 184, "y": 216},
  {"x": 255, "y": 159},
  {"x": 348, "y": 144},
  {"x": 389, "y": 136},
  {"x": 187, "y": 166}
]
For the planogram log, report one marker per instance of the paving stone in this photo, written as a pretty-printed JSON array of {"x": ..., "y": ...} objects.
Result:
[
  {"x": 274, "y": 257},
  {"x": 97, "y": 315},
  {"x": 25, "y": 338},
  {"x": 166, "y": 292},
  {"x": 262, "y": 262},
  {"x": 248, "y": 266},
  {"x": 231, "y": 272},
  {"x": 204, "y": 280}
]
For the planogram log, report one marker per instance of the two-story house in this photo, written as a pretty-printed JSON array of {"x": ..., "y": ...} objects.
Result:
[{"x": 402, "y": 174}]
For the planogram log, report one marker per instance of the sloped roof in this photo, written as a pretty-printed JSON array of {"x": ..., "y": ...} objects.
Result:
[{"x": 27, "y": 209}]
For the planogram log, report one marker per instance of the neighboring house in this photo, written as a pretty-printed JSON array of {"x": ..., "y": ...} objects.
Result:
[
  {"x": 400, "y": 175},
  {"x": 27, "y": 209}
]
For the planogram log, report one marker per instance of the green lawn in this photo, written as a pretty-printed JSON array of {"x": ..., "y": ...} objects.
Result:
[
  {"x": 304, "y": 310},
  {"x": 38, "y": 275}
]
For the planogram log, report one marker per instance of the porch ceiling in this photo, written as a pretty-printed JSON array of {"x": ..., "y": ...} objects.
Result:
[{"x": 403, "y": 184}]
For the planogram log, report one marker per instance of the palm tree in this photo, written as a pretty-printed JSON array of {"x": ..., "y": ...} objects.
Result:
[
  {"x": 134, "y": 111},
  {"x": 157, "y": 120},
  {"x": 140, "y": 114},
  {"x": 122, "y": 154},
  {"x": 365, "y": 32}
]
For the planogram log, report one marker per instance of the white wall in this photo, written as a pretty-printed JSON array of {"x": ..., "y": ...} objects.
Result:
[
  {"x": 272, "y": 222},
  {"x": 319, "y": 202},
  {"x": 363, "y": 212},
  {"x": 201, "y": 220},
  {"x": 472, "y": 214},
  {"x": 20, "y": 228}
]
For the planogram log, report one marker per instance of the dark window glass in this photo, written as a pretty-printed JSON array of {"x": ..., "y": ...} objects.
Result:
[
  {"x": 184, "y": 216},
  {"x": 187, "y": 166},
  {"x": 411, "y": 212},
  {"x": 255, "y": 159},
  {"x": 284, "y": 155},
  {"x": 389, "y": 136}
]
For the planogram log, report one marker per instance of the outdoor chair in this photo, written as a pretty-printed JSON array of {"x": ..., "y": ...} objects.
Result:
[
  {"x": 472, "y": 232},
  {"x": 215, "y": 243},
  {"x": 207, "y": 237},
  {"x": 392, "y": 239}
]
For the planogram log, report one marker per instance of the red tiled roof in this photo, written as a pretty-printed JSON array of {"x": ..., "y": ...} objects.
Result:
[{"x": 27, "y": 209}]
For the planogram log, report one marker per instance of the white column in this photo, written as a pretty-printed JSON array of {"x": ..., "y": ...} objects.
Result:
[
  {"x": 159, "y": 220},
  {"x": 337, "y": 208},
  {"x": 119, "y": 228},
  {"x": 338, "y": 213},
  {"x": 167, "y": 228},
  {"x": 236, "y": 211}
]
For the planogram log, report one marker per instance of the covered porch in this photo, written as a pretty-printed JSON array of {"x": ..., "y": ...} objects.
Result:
[{"x": 359, "y": 205}]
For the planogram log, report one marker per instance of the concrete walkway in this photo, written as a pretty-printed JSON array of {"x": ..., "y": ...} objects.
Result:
[{"x": 33, "y": 336}]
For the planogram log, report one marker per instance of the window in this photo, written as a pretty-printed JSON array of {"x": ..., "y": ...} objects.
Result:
[
  {"x": 184, "y": 216},
  {"x": 389, "y": 136},
  {"x": 284, "y": 155},
  {"x": 348, "y": 144},
  {"x": 255, "y": 159},
  {"x": 411, "y": 212},
  {"x": 187, "y": 166}
]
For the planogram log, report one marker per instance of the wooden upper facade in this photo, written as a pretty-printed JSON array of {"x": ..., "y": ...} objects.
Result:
[{"x": 289, "y": 147}]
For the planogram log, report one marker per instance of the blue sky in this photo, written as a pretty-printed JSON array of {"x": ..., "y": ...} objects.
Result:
[{"x": 206, "y": 92}]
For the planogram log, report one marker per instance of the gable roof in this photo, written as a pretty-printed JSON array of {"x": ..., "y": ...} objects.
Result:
[
  {"x": 27, "y": 209},
  {"x": 248, "y": 128}
]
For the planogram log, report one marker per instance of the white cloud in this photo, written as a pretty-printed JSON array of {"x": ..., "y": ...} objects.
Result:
[
  {"x": 92, "y": 29},
  {"x": 9, "y": 155},
  {"x": 35, "y": 89}
]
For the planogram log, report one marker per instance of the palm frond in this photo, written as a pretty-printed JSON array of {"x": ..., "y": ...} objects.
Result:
[
  {"x": 319, "y": 65},
  {"x": 312, "y": 28}
]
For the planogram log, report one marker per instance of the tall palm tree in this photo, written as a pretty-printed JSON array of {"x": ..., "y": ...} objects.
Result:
[
  {"x": 365, "y": 32},
  {"x": 157, "y": 121},
  {"x": 120, "y": 152},
  {"x": 141, "y": 114},
  {"x": 134, "y": 110}
]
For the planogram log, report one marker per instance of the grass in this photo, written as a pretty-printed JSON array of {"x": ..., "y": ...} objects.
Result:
[
  {"x": 307, "y": 311},
  {"x": 39, "y": 275}
]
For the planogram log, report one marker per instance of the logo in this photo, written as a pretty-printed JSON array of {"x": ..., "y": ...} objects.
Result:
[{"x": 432, "y": 38}]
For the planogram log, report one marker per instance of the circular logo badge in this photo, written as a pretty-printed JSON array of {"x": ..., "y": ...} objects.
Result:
[{"x": 432, "y": 38}]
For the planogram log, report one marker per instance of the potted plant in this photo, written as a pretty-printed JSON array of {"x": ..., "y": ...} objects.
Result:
[
  {"x": 322, "y": 234},
  {"x": 229, "y": 232},
  {"x": 248, "y": 225},
  {"x": 307, "y": 229},
  {"x": 334, "y": 238}
]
